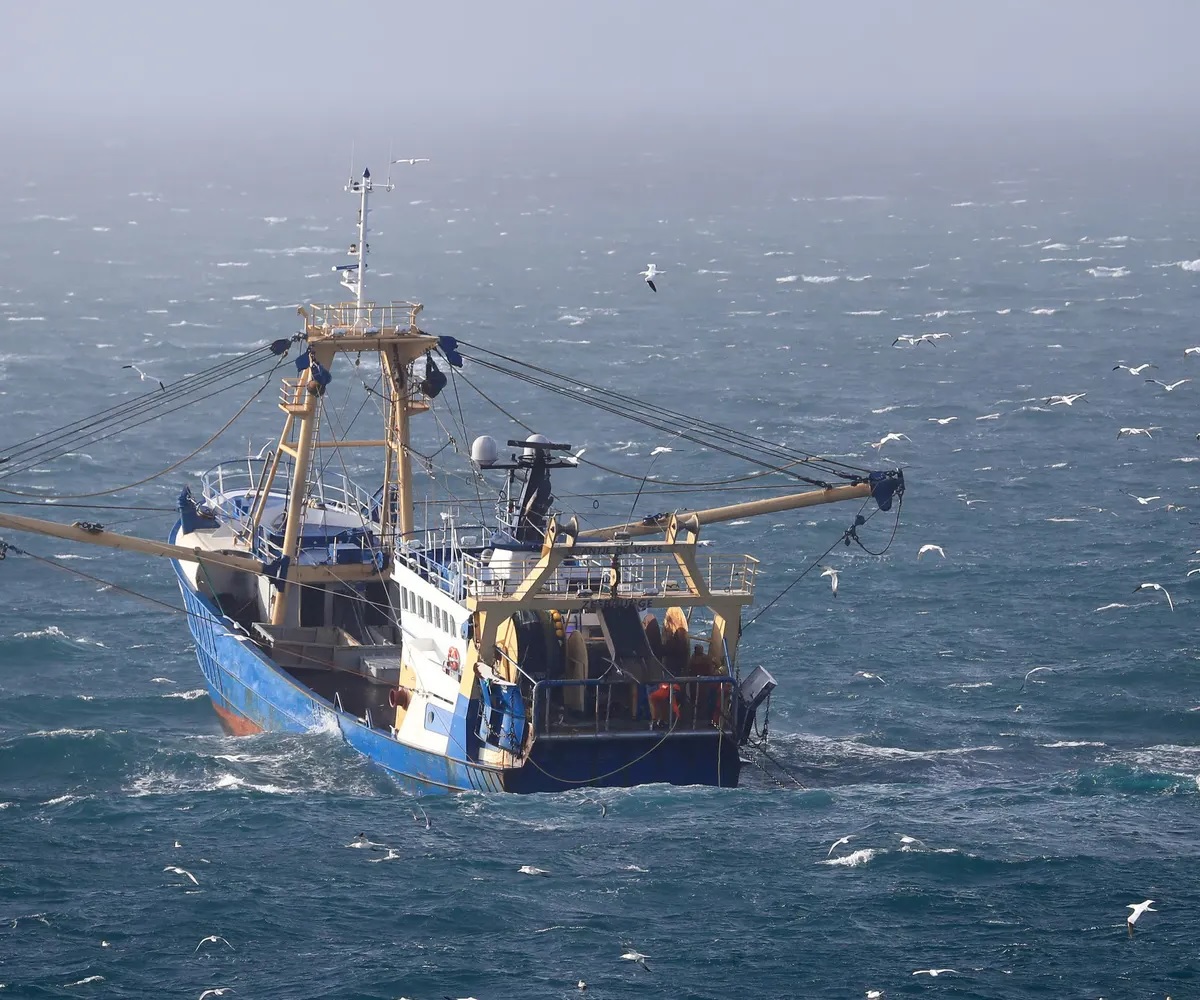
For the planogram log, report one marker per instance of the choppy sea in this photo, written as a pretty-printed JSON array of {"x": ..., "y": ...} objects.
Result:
[{"x": 1000, "y": 825}]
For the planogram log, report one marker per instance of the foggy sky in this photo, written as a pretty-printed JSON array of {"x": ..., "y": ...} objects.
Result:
[{"x": 130, "y": 59}]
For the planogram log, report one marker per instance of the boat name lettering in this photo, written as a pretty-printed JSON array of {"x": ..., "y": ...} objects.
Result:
[{"x": 643, "y": 604}]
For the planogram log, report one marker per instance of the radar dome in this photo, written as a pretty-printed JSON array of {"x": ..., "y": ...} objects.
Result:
[
  {"x": 485, "y": 451},
  {"x": 534, "y": 439}
]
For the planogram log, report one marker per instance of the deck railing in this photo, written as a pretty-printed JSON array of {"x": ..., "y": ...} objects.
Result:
[
  {"x": 645, "y": 575},
  {"x": 351, "y": 319}
]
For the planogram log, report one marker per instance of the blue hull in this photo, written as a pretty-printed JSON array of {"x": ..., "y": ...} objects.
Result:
[{"x": 252, "y": 694}]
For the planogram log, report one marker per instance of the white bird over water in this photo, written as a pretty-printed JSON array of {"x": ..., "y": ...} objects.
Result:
[
  {"x": 832, "y": 573},
  {"x": 1156, "y": 586},
  {"x": 638, "y": 957},
  {"x": 1142, "y": 500},
  {"x": 220, "y": 991},
  {"x": 413, "y": 159},
  {"x": 1135, "y": 431},
  {"x": 839, "y": 842},
  {"x": 532, "y": 870},
  {"x": 1170, "y": 388},
  {"x": 941, "y": 421},
  {"x": 1133, "y": 371},
  {"x": 930, "y": 548},
  {"x": 146, "y": 377},
  {"x": 1035, "y": 670},
  {"x": 1138, "y": 909},
  {"x": 1191, "y": 350},
  {"x": 650, "y": 274},
  {"x": 866, "y": 675},
  {"x": 934, "y": 972},
  {"x": 889, "y": 437},
  {"x": 1069, "y": 399},
  {"x": 181, "y": 871},
  {"x": 213, "y": 938}
]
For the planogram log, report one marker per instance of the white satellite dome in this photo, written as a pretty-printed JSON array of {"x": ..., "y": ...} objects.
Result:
[
  {"x": 534, "y": 439},
  {"x": 485, "y": 451}
]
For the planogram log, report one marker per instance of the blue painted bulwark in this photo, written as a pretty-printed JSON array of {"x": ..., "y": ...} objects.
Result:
[{"x": 251, "y": 693}]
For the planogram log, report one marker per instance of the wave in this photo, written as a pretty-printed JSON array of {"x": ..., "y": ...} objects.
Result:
[
  {"x": 233, "y": 263},
  {"x": 1108, "y": 272},
  {"x": 186, "y": 695},
  {"x": 821, "y": 279},
  {"x": 866, "y": 312},
  {"x": 787, "y": 279},
  {"x": 1042, "y": 311},
  {"x": 1064, "y": 744},
  {"x": 855, "y": 860}
]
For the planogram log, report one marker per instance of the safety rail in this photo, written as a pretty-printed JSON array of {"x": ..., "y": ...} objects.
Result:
[
  {"x": 349, "y": 318},
  {"x": 230, "y": 488},
  {"x": 644, "y": 575},
  {"x": 293, "y": 395},
  {"x": 678, "y": 705}
]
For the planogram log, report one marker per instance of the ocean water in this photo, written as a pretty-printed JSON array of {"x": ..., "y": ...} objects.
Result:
[{"x": 1036, "y": 809}]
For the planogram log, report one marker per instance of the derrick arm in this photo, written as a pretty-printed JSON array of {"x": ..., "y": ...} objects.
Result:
[
  {"x": 95, "y": 535},
  {"x": 882, "y": 487}
]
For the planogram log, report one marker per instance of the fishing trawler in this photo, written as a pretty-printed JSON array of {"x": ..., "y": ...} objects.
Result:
[{"x": 520, "y": 654}]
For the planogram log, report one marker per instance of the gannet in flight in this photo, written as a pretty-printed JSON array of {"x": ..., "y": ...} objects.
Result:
[
  {"x": 650, "y": 274},
  {"x": 146, "y": 377},
  {"x": 1133, "y": 371},
  {"x": 1138, "y": 909},
  {"x": 1156, "y": 586},
  {"x": 1170, "y": 388},
  {"x": 832, "y": 573}
]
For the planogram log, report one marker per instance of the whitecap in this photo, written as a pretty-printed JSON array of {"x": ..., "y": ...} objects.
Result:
[
  {"x": 161, "y": 680},
  {"x": 970, "y": 686},
  {"x": 26, "y": 319},
  {"x": 788, "y": 279},
  {"x": 866, "y": 312},
  {"x": 233, "y": 263},
  {"x": 274, "y": 220},
  {"x": 1061, "y": 520},
  {"x": 820, "y": 279},
  {"x": 1109, "y": 607},
  {"x": 246, "y": 298},
  {"x": 854, "y": 860},
  {"x": 186, "y": 695},
  {"x": 1188, "y": 265},
  {"x": 50, "y": 630},
  {"x": 84, "y": 982},
  {"x": 1063, "y": 744},
  {"x": 1108, "y": 272},
  {"x": 1042, "y": 311}
]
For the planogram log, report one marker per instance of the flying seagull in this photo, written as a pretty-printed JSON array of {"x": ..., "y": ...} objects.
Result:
[
  {"x": 1069, "y": 399},
  {"x": 934, "y": 972},
  {"x": 838, "y": 843},
  {"x": 1156, "y": 586},
  {"x": 650, "y": 274},
  {"x": 1030, "y": 674},
  {"x": 1191, "y": 350},
  {"x": 930, "y": 548},
  {"x": 1170, "y": 388},
  {"x": 941, "y": 420},
  {"x": 219, "y": 992},
  {"x": 832, "y": 573},
  {"x": 1142, "y": 500},
  {"x": 868, "y": 676},
  {"x": 1135, "y": 431},
  {"x": 1138, "y": 909},
  {"x": 146, "y": 377},
  {"x": 638, "y": 957},
  {"x": 893, "y": 436},
  {"x": 214, "y": 938},
  {"x": 413, "y": 159},
  {"x": 1133, "y": 371},
  {"x": 181, "y": 871}
]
